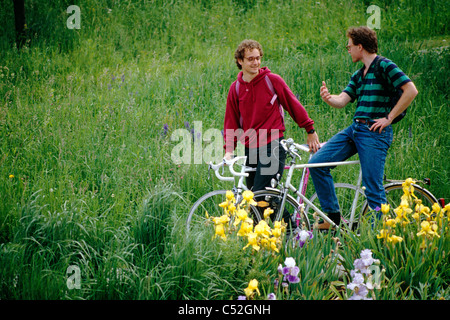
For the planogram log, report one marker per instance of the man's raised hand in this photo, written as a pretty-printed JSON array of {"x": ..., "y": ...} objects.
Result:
[{"x": 324, "y": 93}]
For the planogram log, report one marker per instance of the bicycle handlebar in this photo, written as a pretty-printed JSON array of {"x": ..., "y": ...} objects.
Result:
[
  {"x": 230, "y": 163},
  {"x": 290, "y": 146}
]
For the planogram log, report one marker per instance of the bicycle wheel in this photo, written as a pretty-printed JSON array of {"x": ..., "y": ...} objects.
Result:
[
  {"x": 271, "y": 198},
  {"x": 208, "y": 203},
  {"x": 346, "y": 196},
  {"x": 394, "y": 192}
]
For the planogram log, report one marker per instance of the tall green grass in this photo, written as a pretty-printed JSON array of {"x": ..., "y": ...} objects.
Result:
[{"x": 86, "y": 176}]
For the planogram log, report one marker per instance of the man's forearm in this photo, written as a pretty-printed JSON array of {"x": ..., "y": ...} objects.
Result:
[
  {"x": 338, "y": 101},
  {"x": 409, "y": 93}
]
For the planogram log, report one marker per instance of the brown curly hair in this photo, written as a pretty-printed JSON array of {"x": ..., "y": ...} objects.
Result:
[
  {"x": 244, "y": 45},
  {"x": 365, "y": 37}
]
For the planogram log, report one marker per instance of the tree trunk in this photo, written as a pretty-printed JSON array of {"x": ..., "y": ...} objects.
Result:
[{"x": 19, "y": 15}]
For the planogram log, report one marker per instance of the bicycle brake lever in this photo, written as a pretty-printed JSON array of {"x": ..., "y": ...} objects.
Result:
[
  {"x": 209, "y": 171},
  {"x": 293, "y": 150}
]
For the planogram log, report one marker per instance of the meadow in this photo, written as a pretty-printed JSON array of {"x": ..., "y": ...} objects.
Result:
[{"x": 86, "y": 120}]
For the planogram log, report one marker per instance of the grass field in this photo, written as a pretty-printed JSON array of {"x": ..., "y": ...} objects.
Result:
[{"x": 87, "y": 115}]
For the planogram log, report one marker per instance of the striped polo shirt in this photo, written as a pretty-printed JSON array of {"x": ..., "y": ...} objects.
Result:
[{"x": 373, "y": 100}]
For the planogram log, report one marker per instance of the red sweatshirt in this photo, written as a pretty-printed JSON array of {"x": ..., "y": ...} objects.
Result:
[{"x": 260, "y": 121}]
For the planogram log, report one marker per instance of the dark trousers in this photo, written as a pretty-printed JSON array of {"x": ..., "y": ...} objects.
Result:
[{"x": 269, "y": 160}]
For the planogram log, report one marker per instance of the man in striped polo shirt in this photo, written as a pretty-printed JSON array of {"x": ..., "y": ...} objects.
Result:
[{"x": 370, "y": 134}]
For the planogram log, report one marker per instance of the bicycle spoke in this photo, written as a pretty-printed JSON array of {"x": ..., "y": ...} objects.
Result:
[
  {"x": 206, "y": 208},
  {"x": 346, "y": 196}
]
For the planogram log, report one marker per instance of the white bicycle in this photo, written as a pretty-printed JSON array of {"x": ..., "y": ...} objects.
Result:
[{"x": 301, "y": 209}]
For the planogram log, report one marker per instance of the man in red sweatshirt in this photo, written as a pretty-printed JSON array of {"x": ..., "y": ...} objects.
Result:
[{"x": 255, "y": 116}]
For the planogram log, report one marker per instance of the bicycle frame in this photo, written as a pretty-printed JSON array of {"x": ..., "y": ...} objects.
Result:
[
  {"x": 305, "y": 177},
  {"x": 288, "y": 186}
]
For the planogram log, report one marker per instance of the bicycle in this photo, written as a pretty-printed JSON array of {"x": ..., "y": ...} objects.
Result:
[
  {"x": 301, "y": 209},
  {"x": 209, "y": 202}
]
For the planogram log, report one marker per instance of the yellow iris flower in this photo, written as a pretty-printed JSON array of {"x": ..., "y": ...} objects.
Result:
[
  {"x": 428, "y": 229},
  {"x": 221, "y": 220},
  {"x": 241, "y": 215},
  {"x": 246, "y": 228},
  {"x": 252, "y": 287},
  {"x": 436, "y": 208},
  {"x": 276, "y": 232},
  {"x": 447, "y": 208},
  {"x": 230, "y": 196},
  {"x": 220, "y": 231},
  {"x": 267, "y": 213},
  {"x": 263, "y": 229},
  {"x": 394, "y": 239},
  {"x": 248, "y": 197},
  {"x": 390, "y": 222},
  {"x": 252, "y": 238},
  {"x": 383, "y": 234},
  {"x": 274, "y": 244}
]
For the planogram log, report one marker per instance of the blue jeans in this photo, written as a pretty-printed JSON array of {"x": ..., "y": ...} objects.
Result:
[{"x": 372, "y": 149}]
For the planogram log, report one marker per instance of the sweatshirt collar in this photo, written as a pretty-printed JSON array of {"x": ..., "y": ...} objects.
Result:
[{"x": 262, "y": 73}]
